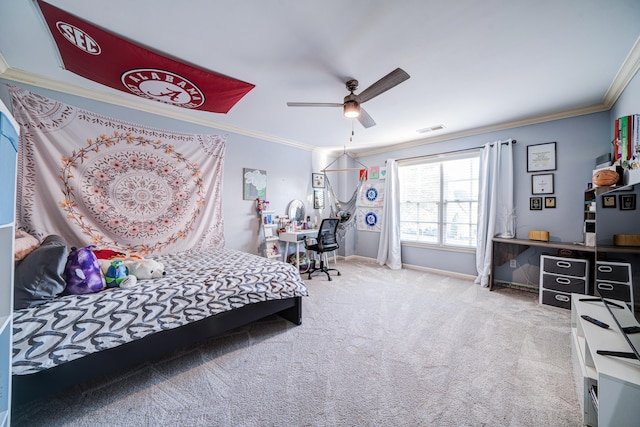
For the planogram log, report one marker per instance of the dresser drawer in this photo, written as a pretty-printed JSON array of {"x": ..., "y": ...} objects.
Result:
[
  {"x": 567, "y": 284},
  {"x": 613, "y": 271},
  {"x": 566, "y": 266},
  {"x": 612, "y": 290},
  {"x": 559, "y": 299}
]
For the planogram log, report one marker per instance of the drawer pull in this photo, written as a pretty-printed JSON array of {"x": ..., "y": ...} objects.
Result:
[
  {"x": 563, "y": 281},
  {"x": 563, "y": 264},
  {"x": 562, "y": 298},
  {"x": 605, "y": 268},
  {"x": 605, "y": 286}
]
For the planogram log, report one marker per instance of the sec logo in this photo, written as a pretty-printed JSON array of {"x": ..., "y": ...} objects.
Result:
[{"x": 78, "y": 38}]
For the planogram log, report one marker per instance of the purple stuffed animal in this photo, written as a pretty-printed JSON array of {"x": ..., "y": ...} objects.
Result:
[{"x": 83, "y": 273}]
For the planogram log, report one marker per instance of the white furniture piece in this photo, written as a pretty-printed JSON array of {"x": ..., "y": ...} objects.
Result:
[
  {"x": 608, "y": 386},
  {"x": 560, "y": 277},
  {"x": 614, "y": 280},
  {"x": 297, "y": 238},
  {"x": 8, "y": 154},
  {"x": 269, "y": 229}
]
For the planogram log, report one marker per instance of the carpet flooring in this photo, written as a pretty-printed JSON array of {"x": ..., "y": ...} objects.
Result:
[{"x": 376, "y": 348}]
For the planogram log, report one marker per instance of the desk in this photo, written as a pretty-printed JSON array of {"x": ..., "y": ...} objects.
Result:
[
  {"x": 525, "y": 244},
  {"x": 296, "y": 237}
]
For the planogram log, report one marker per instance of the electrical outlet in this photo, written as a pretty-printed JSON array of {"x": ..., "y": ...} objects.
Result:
[{"x": 512, "y": 263}]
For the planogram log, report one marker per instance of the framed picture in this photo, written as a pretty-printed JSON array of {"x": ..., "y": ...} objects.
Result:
[
  {"x": 317, "y": 180},
  {"x": 318, "y": 199},
  {"x": 542, "y": 184},
  {"x": 549, "y": 202},
  {"x": 535, "y": 203},
  {"x": 254, "y": 183},
  {"x": 608, "y": 201},
  {"x": 541, "y": 157},
  {"x": 627, "y": 202}
]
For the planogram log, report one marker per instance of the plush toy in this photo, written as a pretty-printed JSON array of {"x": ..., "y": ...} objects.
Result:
[
  {"x": 82, "y": 272},
  {"x": 146, "y": 269},
  {"x": 116, "y": 274}
]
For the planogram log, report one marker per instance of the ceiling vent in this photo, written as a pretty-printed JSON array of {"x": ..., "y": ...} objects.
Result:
[{"x": 431, "y": 129}]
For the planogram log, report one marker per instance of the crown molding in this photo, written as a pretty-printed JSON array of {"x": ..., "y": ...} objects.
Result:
[
  {"x": 486, "y": 129},
  {"x": 134, "y": 103},
  {"x": 626, "y": 72}
]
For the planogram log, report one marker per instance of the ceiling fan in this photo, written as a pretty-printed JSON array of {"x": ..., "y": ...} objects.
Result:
[{"x": 351, "y": 104}]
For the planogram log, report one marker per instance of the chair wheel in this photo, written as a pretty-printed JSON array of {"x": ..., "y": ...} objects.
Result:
[{"x": 339, "y": 274}]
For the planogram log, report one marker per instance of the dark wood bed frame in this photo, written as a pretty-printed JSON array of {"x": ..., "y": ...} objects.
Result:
[{"x": 54, "y": 380}]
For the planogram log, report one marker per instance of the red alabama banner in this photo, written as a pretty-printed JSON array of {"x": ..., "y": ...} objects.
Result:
[{"x": 105, "y": 58}]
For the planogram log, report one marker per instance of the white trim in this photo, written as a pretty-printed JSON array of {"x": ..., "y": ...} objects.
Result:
[
  {"x": 629, "y": 68},
  {"x": 416, "y": 267},
  {"x": 133, "y": 102},
  {"x": 486, "y": 129}
]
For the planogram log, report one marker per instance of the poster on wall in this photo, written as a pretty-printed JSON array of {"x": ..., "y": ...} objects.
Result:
[
  {"x": 368, "y": 219},
  {"x": 254, "y": 182},
  {"x": 371, "y": 195}
]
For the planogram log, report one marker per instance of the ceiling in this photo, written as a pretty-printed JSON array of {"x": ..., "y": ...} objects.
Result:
[{"x": 474, "y": 66}]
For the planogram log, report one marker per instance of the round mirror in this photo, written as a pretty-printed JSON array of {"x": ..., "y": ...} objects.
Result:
[{"x": 296, "y": 211}]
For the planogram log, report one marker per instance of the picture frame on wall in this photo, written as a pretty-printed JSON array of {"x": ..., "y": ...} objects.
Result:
[
  {"x": 608, "y": 201},
  {"x": 627, "y": 202},
  {"x": 542, "y": 183},
  {"x": 549, "y": 202},
  {"x": 254, "y": 184},
  {"x": 317, "y": 180},
  {"x": 318, "y": 199},
  {"x": 541, "y": 157},
  {"x": 535, "y": 203}
]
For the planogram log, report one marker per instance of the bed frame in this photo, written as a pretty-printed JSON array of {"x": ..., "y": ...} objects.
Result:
[{"x": 118, "y": 359}]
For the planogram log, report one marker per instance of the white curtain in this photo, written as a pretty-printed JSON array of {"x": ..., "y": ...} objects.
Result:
[
  {"x": 496, "y": 211},
  {"x": 389, "y": 249}
]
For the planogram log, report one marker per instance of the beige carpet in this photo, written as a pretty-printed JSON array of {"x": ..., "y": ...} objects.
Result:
[{"x": 376, "y": 348}]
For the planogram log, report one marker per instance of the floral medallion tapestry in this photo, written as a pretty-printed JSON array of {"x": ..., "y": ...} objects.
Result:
[{"x": 100, "y": 181}]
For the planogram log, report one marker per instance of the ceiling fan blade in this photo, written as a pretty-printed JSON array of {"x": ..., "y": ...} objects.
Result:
[
  {"x": 392, "y": 79},
  {"x": 365, "y": 119},
  {"x": 313, "y": 104}
]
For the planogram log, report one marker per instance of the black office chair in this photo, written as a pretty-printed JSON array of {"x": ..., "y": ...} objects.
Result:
[{"x": 326, "y": 241}]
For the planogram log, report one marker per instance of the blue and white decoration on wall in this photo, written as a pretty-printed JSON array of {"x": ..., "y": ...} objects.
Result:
[
  {"x": 370, "y": 202},
  {"x": 372, "y": 195},
  {"x": 368, "y": 219}
]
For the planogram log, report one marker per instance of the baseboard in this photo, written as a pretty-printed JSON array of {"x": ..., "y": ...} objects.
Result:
[{"x": 415, "y": 267}]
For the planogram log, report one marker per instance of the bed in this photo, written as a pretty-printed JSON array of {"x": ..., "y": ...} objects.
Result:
[{"x": 71, "y": 339}]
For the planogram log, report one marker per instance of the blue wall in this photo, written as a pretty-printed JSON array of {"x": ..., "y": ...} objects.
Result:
[{"x": 579, "y": 141}]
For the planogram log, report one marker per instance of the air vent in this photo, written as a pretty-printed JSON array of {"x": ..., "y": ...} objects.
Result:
[{"x": 431, "y": 129}]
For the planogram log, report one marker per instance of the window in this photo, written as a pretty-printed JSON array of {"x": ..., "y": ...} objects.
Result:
[{"x": 439, "y": 200}]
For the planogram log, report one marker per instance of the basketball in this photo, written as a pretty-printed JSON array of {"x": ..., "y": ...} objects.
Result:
[{"x": 605, "y": 177}]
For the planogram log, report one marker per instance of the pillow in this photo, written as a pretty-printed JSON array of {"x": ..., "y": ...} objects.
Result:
[
  {"x": 82, "y": 272},
  {"x": 24, "y": 244},
  {"x": 38, "y": 277}
]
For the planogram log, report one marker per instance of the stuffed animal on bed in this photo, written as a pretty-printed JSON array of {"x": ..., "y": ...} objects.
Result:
[
  {"x": 116, "y": 274},
  {"x": 82, "y": 272},
  {"x": 146, "y": 269}
]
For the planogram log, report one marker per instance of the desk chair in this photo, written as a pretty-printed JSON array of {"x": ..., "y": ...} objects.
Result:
[{"x": 326, "y": 241}]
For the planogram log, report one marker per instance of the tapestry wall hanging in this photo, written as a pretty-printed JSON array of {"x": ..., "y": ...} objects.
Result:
[{"x": 99, "y": 181}]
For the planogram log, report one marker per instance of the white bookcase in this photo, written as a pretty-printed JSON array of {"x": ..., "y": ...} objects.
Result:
[
  {"x": 8, "y": 157},
  {"x": 617, "y": 380},
  {"x": 269, "y": 227}
]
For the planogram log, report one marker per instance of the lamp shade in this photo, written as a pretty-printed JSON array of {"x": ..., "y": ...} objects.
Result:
[{"x": 351, "y": 109}]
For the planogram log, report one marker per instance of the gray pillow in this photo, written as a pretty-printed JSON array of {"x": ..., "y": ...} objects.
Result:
[{"x": 38, "y": 277}]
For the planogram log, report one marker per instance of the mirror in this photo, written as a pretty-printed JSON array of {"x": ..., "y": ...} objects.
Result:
[{"x": 296, "y": 211}]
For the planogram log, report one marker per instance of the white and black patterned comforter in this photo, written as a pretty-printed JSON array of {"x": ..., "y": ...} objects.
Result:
[{"x": 196, "y": 285}]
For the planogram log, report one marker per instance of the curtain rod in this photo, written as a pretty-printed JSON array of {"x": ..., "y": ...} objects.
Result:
[{"x": 454, "y": 151}]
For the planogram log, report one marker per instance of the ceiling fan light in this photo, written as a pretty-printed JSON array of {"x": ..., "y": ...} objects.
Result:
[{"x": 351, "y": 109}]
